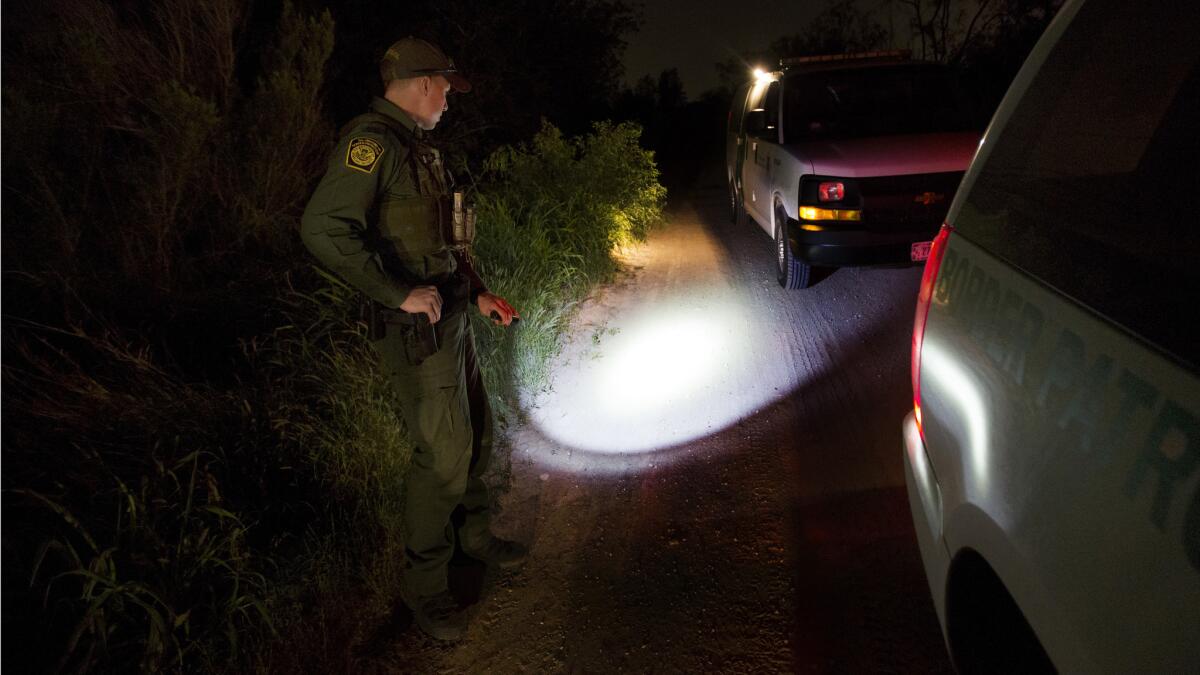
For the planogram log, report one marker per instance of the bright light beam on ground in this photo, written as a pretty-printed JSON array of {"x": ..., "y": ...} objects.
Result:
[
  {"x": 660, "y": 362},
  {"x": 674, "y": 370},
  {"x": 676, "y": 358}
]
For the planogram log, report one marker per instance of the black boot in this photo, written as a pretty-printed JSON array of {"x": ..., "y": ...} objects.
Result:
[
  {"x": 439, "y": 616},
  {"x": 496, "y": 551}
]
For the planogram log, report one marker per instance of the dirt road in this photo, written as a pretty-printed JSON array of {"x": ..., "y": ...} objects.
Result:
[{"x": 714, "y": 482}]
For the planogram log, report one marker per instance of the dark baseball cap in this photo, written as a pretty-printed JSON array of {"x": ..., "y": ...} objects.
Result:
[{"x": 413, "y": 57}]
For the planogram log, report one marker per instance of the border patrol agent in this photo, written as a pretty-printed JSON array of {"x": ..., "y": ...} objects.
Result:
[{"x": 386, "y": 219}]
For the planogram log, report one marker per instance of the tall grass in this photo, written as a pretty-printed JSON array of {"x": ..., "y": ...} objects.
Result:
[{"x": 116, "y": 476}]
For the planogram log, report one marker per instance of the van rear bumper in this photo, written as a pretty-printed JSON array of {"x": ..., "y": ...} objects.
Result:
[{"x": 840, "y": 247}]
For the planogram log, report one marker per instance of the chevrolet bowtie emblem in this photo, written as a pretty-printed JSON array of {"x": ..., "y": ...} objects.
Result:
[{"x": 928, "y": 198}]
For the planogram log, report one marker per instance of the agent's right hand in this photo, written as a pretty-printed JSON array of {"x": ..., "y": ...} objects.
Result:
[{"x": 424, "y": 299}]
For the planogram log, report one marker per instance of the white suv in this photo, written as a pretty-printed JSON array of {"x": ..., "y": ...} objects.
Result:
[
  {"x": 1053, "y": 452},
  {"x": 847, "y": 160}
]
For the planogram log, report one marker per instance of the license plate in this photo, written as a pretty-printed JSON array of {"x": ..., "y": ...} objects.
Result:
[{"x": 920, "y": 250}]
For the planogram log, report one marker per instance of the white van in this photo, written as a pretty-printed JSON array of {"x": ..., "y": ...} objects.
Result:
[
  {"x": 847, "y": 160},
  {"x": 1053, "y": 452}
]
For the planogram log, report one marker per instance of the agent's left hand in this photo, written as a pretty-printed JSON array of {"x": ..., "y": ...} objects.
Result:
[{"x": 497, "y": 309}]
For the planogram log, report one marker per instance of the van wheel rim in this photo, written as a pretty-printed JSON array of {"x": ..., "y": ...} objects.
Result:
[{"x": 780, "y": 252}]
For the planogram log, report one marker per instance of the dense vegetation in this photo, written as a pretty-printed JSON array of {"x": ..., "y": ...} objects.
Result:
[{"x": 202, "y": 468}]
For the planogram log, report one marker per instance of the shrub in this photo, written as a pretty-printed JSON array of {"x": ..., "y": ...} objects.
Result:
[{"x": 551, "y": 213}]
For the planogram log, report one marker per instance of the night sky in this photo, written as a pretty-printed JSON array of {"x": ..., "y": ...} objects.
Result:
[{"x": 692, "y": 35}]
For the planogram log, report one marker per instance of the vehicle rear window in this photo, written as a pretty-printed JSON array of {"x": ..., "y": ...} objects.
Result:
[
  {"x": 883, "y": 100},
  {"x": 1093, "y": 185}
]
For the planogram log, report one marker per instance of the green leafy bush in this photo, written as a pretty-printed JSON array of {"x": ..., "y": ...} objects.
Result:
[{"x": 551, "y": 214}]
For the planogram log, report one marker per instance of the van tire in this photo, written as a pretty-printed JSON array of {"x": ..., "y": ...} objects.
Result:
[{"x": 790, "y": 272}]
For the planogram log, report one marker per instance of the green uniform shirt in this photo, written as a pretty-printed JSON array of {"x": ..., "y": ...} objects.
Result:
[{"x": 374, "y": 217}]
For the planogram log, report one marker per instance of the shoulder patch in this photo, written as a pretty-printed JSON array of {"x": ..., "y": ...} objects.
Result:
[{"x": 363, "y": 154}]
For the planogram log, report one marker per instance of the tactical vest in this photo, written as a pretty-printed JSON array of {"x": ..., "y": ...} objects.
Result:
[{"x": 419, "y": 229}]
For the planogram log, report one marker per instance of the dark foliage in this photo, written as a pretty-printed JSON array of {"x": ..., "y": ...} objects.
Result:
[
  {"x": 990, "y": 62},
  {"x": 686, "y": 136},
  {"x": 527, "y": 60}
]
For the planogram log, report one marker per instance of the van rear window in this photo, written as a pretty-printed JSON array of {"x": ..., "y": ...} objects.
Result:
[
  {"x": 885, "y": 100},
  {"x": 1093, "y": 185}
]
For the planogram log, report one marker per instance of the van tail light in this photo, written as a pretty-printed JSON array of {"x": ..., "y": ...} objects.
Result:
[
  {"x": 831, "y": 192},
  {"x": 924, "y": 298}
]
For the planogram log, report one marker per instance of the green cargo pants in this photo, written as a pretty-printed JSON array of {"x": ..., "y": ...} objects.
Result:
[{"x": 446, "y": 408}]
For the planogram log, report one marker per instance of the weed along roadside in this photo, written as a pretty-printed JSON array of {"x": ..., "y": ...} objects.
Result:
[
  {"x": 202, "y": 466},
  {"x": 554, "y": 211}
]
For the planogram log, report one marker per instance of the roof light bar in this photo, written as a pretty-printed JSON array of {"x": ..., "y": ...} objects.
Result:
[{"x": 880, "y": 55}]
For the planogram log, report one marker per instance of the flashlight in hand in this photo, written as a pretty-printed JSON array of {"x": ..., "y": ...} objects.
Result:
[{"x": 496, "y": 316}]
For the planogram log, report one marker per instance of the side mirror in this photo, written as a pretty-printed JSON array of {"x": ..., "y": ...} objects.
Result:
[{"x": 756, "y": 122}]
